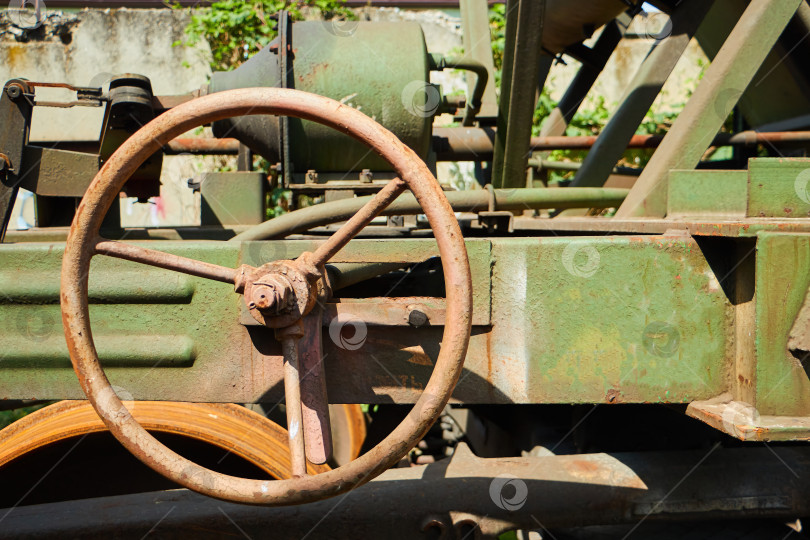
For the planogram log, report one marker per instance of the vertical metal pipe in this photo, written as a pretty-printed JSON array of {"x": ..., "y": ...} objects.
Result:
[
  {"x": 725, "y": 80},
  {"x": 478, "y": 45},
  {"x": 640, "y": 95},
  {"x": 520, "y": 82},
  {"x": 292, "y": 399}
]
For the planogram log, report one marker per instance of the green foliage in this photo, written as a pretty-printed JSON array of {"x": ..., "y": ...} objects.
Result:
[
  {"x": 9, "y": 417},
  {"x": 237, "y": 29},
  {"x": 497, "y": 29}
]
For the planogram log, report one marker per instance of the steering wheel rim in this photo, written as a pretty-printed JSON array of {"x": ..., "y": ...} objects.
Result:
[{"x": 84, "y": 233}]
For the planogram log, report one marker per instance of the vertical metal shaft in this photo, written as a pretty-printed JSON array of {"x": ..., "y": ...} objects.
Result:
[
  {"x": 314, "y": 401},
  {"x": 640, "y": 94},
  {"x": 725, "y": 80},
  {"x": 292, "y": 392},
  {"x": 520, "y": 79}
]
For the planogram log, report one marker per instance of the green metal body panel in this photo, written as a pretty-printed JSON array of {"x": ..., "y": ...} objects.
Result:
[
  {"x": 696, "y": 193},
  {"x": 233, "y": 198},
  {"x": 656, "y": 328},
  {"x": 658, "y": 332},
  {"x": 782, "y": 276},
  {"x": 778, "y": 187}
]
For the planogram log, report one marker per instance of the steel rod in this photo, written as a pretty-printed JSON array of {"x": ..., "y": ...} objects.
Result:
[
  {"x": 358, "y": 221},
  {"x": 476, "y": 144},
  {"x": 292, "y": 400},
  {"x": 528, "y": 72},
  {"x": 160, "y": 259},
  {"x": 314, "y": 401}
]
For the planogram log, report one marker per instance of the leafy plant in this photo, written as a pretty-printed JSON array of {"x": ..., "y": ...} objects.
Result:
[{"x": 237, "y": 29}]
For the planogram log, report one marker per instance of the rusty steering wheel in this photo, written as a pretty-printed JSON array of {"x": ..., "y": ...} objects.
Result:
[{"x": 278, "y": 293}]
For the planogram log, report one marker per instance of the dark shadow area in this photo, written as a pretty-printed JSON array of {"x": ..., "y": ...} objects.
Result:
[{"x": 97, "y": 465}]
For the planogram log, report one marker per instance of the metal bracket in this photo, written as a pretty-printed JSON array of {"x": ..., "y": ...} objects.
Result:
[{"x": 494, "y": 219}]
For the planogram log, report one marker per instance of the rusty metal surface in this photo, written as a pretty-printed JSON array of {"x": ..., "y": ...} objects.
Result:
[
  {"x": 81, "y": 246},
  {"x": 151, "y": 257},
  {"x": 742, "y": 421},
  {"x": 481, "y": 498},
  {"x": 292, "y": 396},
  {"x": 475, "y": 144},
  {"x": 315, "y": 419},
  {"x": 233, "y": 428},
  {"x": 202, "y": 145}
]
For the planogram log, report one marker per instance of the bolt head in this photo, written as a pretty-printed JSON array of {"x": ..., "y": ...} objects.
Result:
[
  {"x": 272, "y": 294},
  {"x": 417, "y": 318}
]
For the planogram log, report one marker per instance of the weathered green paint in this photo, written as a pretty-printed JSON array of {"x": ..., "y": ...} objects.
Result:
[
  {"x": 707, "y": 193},
  {"x": 617, "y": 319},
  {"x": 782, "y": 278},
  {"x": 573, "y": 320},
  {"x": 233, "y": 198},
  {"x": 162, "y": 334},
  {"x": 383, "y": 251},
  {"x": 778, "y": 187}
]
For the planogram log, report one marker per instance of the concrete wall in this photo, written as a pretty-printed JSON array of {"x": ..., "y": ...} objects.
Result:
[{"x": 86, "y": 48}]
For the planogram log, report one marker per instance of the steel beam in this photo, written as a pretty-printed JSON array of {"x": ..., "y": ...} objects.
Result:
[
  {"x": 725, "y": 80},
  {"x": 466, "y": 496},
  {"x": 640, "y": 95}
]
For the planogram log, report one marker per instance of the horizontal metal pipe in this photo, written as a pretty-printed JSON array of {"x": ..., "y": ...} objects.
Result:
[
  {"x": 460, "y": 143},
  {"x": 461, "y": 201},
  {"x": 490, "y": 495},
  {"x": 475, "y": 144}
]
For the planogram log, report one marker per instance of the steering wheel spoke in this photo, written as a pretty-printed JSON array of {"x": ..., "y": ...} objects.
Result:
[
  {"x": 357, "y": 222},
  {"x": 169, "y": 261}
]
